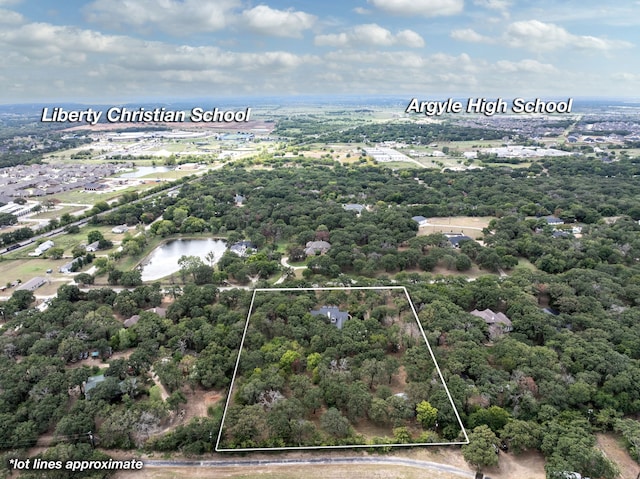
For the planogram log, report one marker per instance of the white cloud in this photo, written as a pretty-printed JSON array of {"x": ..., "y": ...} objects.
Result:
[
  {"x": 626, "y": 77},
  {"x": 173, "y": 16},
  {"x": 369, "y": 35},
  {"x": 525, "y": 66},
  {"x": 43, "y": 39},
  {"x": 493, "y": 4},
  {"x": 535, "y": 35},
  {"x": 282, "y": 23},
  {"x": 361, "y": 11},
  {"x": 404, "y": 60},
  {"x": 538, "y": 36},
  {"x": 368, "y": 58},
  {"x": 9, "y": 17},
  {"x": 410, "y": 39},
  {"x": 469, "y": 35},
  {"x": 426, "y": 8}
]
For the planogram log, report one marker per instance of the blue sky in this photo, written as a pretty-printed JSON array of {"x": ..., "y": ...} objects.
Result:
[{"x": 128, "y": 50}]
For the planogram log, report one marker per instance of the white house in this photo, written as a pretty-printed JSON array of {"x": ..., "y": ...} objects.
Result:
[
  {"x": 120, "y": 229},
  {"x": 421, "y": 220},
  {"x": 42, "y": 248}
]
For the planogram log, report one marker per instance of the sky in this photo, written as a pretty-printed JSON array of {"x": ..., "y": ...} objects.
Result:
[{"x": 128, "y": 50}]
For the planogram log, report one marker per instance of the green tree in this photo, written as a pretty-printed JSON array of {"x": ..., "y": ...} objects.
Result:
[
  {"x": 521, "y": 435},
  {"x": 55, "y": 253},
  {"x": 426, "y": 414},
  {"x": 93, "y": 236},
  {"x": 84, "y": 278},
  {"x": 401, "y": 435},
  {"x": 482, "y": 449},
  {"x": 495, "y": 417},
  {"x": 335, "y": 423}
]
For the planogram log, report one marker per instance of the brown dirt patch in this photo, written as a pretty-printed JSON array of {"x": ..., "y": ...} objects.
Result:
[
  {"x": 474, "y": 272},
  {"x": 90, "y": 362},
  {"x": 611, "y": 445},
  {"x": 198, "y": 402},
  {"x": 399, "y": 381},
  {"x": 467, "y": 225},
  {"x": 524, "y": 466}
]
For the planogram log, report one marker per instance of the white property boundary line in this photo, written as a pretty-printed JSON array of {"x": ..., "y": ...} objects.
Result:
[{"x": 309, "y": 448}]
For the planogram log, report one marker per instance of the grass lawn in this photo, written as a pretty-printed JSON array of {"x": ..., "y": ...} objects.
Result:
[
  {"x": 26, "y": 269},
  {"x": 92, "y": 197},
  {"x": 56, "y": 213},
  {"x": 127, "y": 263},
  {"x": 172, "y": 175},
  {"x": 325, "y": 471},
  {"x": 68, "y": 241},
  {"x": 526, "y": 264}
]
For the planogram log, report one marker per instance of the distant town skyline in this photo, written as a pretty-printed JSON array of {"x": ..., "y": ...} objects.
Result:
[{"x": 123, "y": 50}]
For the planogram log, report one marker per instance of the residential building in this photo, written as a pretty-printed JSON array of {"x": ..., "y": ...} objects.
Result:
[
  {"x": 32, "y": 284},
  {"x": 317, "y": 247},
  {"x": 132, "y": 321},
  {"x": 91, "y": 383},
  {"x": 119, "y": 229},
  {"x": 42, "y": 248},
  {"x": 93, "y": 247},
  {"x": 68, "y": 268},
  {"x": 457, "y": 238},
  {"x": 242, "y": 248},
  {"x": 421, "y": 220},
  {"x": 333, "y": 313},
  {"x": 498, "y": 323},
  {"x": 354, "y": 207},
  {"x": 239, "y": 199},
  {"x": 552, "y": 220}
]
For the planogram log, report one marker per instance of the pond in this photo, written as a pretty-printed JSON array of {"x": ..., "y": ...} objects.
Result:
[
  {"x": 145, "y": 170},
  {"x": 163, "y": 260}
]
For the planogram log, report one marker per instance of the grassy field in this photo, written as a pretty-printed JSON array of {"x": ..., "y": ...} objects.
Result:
[
  {"x": 25, "y": 269},
  {"x": 19, "y": 265},
  {"x": 468, "y": 225},
  {"x": 127, "y": 263},
  {"x": 56, "y": 213},
  {"x": 91, "y": 197},
  {"x": 172, "y": 175},
  {"x": 68, "y": 241},
  {"x": 293, "y": 472},
  {"x": 526, "y": 264}
]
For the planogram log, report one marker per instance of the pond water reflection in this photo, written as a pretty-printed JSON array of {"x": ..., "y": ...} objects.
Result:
[{"x": 163, "y": 260}]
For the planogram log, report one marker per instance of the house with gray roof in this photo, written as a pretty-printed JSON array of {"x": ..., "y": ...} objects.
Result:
[
  {"x": 421, "y": 220},
  {"x": 498, "y": 323},
  {"x": 242, "y": 248},
  {"x": 354, "y": 207},
  {"x": 91, "y": 383},
  {"x": 317, "y": 247},
  {"x": 93, "y": 247},
  {"x": 456, "y": 239},
  {"x": 68, "y": 268},
  {"x": 552, "y": 220},
  {"x": 32, "y": 284},
  {"x": 333, "y": 313}
]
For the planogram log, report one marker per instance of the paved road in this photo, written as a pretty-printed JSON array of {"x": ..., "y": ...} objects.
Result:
[{"x": 399, "y": 461}]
